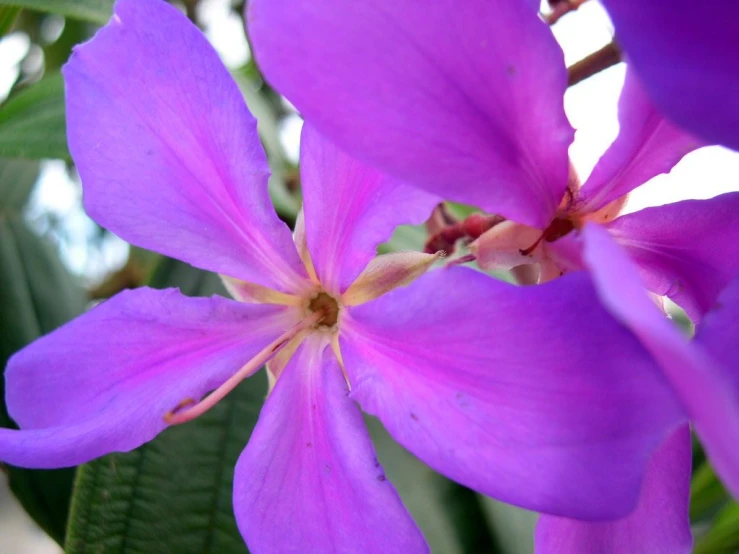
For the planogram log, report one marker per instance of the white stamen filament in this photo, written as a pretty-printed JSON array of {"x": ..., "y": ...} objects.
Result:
[{"x": 179, "y": 415}]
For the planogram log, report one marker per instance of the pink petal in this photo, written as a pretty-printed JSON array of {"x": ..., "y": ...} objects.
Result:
[
  {"x": 168, "y": 153},
  {"x": 708, "y": 390},
  {"x": 350, "y": 209},
  {"x": 533, "y": 395},
  {"x": 309, "y": 479},
  {"x": 467, "y": 103},
  {"x": 646, "y": 146},
  {"x": 659, "y": 525},
  {"x": 685, "y": 53},
  {"x": 103, "y": 382},
  {"x": 688, "y": 251}
]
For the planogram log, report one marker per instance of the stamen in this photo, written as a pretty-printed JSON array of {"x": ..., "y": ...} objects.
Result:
[{"x": 178, "y": 415}]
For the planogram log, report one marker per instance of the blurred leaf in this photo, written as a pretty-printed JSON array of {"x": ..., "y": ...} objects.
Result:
[
  {"x": 448, "y": 514},
  {"x": 707, "y": 494},
  {"x": 37, "y": 295},
  {"x": 723, "y": 535},
  {"x": 513, "y": 527},
  {"x": 97, "y": 11},
  {"x": 58, "y": 52},
  {"x": 190, "y": 280},
  {"x": 286, "y": 204},
  {"x": 172, "y": 495},
  {"x": 460, "y": 211},
  {"x": 17, "y": 178},
  {"x": 32, "y": 122},
  {"x": 405, "y": 237},
  {"x": 8, "y": 15}
]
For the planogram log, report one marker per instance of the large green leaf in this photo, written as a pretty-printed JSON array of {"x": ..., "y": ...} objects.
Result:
[
  {"x": 172, "y": 495},
  {"x": 37, "y": 295},
  {"x": 97, "y": 11},
  {"x": 32, "y": 122}
]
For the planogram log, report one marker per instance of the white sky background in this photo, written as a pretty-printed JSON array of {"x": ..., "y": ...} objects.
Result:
[{"x": 590, "y": 105}]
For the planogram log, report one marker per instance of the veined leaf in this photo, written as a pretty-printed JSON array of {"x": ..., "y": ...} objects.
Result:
[
  {"x": 97, "y": 11},
  {"x": 172, "y": 495}
]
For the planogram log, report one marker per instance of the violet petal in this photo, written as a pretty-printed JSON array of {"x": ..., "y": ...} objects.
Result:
[
  {"x": 168, "y": 153},
  {"x": 533, "y": 395},
  {"x": 685, "y": 53},
  {"x": 659, "y": 525},
  {"x": 309, "y": 479},
  {"x": 707, "y": 389},
  {"x": 350, "y": 209},
  {"x": 103, "y": 382},
  {"x": 467, "y": 104}
]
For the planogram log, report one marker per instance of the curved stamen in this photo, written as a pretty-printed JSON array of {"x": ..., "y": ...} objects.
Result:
[{"x": 178, "y": 415}]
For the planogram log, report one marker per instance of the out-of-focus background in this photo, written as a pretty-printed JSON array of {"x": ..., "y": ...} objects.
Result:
[{"x": 55, "y": 261}]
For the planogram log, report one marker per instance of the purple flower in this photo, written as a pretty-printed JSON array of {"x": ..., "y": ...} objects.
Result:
[
  {"x": 474, "y": 376},
  {"x": 469, "y": 100},
  {"x": 687, "y": 55}
]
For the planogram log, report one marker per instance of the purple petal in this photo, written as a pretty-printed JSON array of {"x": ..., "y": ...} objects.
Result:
[
  {"x": 468, "y": 102},
  {"x": 309, "y": 479},
  {"x": 533, "y": 395},
  {"x": 646, "y": 146},
  {"x": 659, "y": 525},
  {"x": 350, "y": 209},
  {"x": 103, "y": 382},
  {"x": 688, "y": 251},
  {"x": 686, "y": 55},
  {"x": 168, "y": 153},
  {"x": 707, "y": 389}
]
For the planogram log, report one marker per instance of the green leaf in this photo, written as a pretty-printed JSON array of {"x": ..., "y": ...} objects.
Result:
[
  {"x": 17, "y": 178},
  {"x": 190, "y": 280},
  {"x": 512, "y": 527},
  {"x": 32, "y": 122},
  {"x": 97, "y": 11},
  {"x": 8, "y": 15},
  {"x": 37, "y": 295},
  {"x": 286, "y": 204},
  {"x": 707, "y": 494},
  {"x": 172, "y": 495},
  {"x": 405, "y": 237},
  {"x": 723, "y": 535}
]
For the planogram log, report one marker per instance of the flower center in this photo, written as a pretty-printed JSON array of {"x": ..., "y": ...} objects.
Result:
[
  {"x": 323, "y": 302},
  {"x": 560, "y": 227}
]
